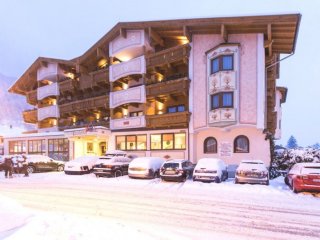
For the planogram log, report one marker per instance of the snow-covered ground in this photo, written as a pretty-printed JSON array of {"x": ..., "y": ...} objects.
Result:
[{"x": 58, "y": 206}]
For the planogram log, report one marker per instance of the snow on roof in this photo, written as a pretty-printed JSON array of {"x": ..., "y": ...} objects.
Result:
[{"x": 42, "y": 134}]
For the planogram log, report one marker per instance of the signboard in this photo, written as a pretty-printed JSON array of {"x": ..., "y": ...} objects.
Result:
[{"x": 225, "y": 149}]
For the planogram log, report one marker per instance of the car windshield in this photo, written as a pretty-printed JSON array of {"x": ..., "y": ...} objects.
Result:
[
  {"x": 310, "y": 170},
  {"x": 171, "y": 165}
]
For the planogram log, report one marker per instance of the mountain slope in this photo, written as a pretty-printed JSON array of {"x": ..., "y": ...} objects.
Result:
[{"x": 11, "y": 105}]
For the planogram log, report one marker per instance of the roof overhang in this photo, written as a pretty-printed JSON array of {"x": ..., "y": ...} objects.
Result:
[{"x": 284, "y": 92}]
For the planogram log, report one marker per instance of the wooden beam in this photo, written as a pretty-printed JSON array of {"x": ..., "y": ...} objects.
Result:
[
  {"x": 123, "y": 32},
  {"x": 224, "y": 33},
  {"x": 269, "y": 30},
  {"x": 153, "y": 35},
  {"x": 43, "y": 64},
  {"x": 102, "y": 53},
  {"x": 187, "y": 33}
]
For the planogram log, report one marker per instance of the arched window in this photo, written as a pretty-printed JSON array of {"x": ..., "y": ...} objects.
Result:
[
  {"x": 210, "y": 145},
  {"x": 241, "y": 144}
]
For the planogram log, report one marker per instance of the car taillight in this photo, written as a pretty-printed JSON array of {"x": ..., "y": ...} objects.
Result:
[
  {"x": 299, "y": 177},
  {"x": 305, "y": 177},
  {"x": 162, "y": 169}
]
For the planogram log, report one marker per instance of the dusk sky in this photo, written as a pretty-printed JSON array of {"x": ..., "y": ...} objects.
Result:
[{"x": 67, "y": 28}]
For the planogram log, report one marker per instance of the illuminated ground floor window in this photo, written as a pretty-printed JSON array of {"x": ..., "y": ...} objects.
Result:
[{"x": 131, "y": 142}]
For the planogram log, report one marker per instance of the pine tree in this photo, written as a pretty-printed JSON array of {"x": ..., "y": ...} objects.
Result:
[{"x": 292, "y": 143}]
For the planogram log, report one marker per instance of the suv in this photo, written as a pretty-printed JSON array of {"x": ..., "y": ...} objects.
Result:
[
  {"x": 176, "y": 170},
  {"x": 113, "y": 164}
]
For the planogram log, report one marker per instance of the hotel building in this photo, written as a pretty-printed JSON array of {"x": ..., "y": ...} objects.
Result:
[{"x": 188, "y": 88}]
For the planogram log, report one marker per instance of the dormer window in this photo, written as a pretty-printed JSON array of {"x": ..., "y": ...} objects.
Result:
[{"x": 222, "y": 63}]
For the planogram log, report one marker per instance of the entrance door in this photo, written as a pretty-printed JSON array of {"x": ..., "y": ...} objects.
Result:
[{"x": 102, "y": 148}]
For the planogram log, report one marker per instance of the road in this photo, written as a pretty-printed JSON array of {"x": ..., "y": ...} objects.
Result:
[{"x": 193, "y": 210}]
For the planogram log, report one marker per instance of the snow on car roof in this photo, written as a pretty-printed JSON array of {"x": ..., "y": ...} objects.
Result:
[
  {"x": 176, "y": 160},
  {"x": 84, "y": 158}
]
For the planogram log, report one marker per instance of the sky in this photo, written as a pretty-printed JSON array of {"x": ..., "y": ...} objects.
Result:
[{"x": 67, "y": 28}]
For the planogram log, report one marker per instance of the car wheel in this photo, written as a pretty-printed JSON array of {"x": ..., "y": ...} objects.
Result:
[
  {"x": 187, "y": 176},
  {"x": 236, "y": 181},
  {"x": 286, "y": 181},
  {"x": 267, "y": 183},
  {"x": 118, "y": 173},
  {"x": 218, "y": 180},
  {"x": 60, "y": 168},
  {"x": 97, "y": 176},
  {"x": 31, "y": 169}
]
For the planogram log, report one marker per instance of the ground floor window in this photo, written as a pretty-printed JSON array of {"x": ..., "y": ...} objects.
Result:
[
  {"x": 37, "y": 146},
  {"x": 59, "y": 149},
  {"x": 131, "y": 142},
  {"x": 17, "y": 147},
  {"x": 210, "y": 145},
  {"x": 168, "y": 141},
  {"x": 241, "y": 144}
]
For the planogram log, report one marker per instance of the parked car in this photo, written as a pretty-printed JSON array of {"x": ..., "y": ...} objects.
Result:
[
  {"x": 176, "y": 170},
  {"x": 252, "y": 171},
  {"x": 80, "y": 165},
  {"x": 304, "y": 177},
  {"x": 210, "y": 170},
  {"x": 41, "y": 163},
  {"x": 115, "y": 166},
  {"x": 145, "y": 167}
]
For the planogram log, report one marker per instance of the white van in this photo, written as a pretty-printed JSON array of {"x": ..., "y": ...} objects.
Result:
[
  {"x": 210, "y": 170},
  {"x": 145, "y": 167}
]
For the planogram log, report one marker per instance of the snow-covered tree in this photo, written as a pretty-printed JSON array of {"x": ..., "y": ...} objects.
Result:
[
  {"x": 292, "y": 143},
  {"x": 316, "y": 146}
]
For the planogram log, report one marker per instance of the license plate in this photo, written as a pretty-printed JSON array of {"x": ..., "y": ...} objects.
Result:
[
  {"x": 170, "y": 172},
  {"x": 316, "y": 180},
  {"x": 70, "y": 167},
  {"x": 99, "y": 170}
]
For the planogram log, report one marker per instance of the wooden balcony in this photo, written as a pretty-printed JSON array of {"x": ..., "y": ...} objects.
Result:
[
  {"x": 30, "y": 116},
  {"x": 100, "y": 77},
  {"x": 85, "y": 105},
  {"x": 178, "y": 53},
  {"x": 169, "y": 120},
  {"x": 32, "y": 97},
  {"x": 68, "y": 85},
  {"x": 180, "y": 85},
  {"x": 102, "y": 123}
]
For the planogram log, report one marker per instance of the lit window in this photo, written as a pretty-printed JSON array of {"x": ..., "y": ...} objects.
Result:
[
  {"x": 180, "y": 141},
  {"x": 241, "y": 144},
  {"x": 210, "y": 145},
  {"x": 167, "y": 141},
  {"x": 131, "y": 142},
  {"x": 156, "y": 141}
]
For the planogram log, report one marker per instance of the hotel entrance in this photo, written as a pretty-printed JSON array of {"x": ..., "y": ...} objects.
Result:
[{"x": 84, "y": 142}]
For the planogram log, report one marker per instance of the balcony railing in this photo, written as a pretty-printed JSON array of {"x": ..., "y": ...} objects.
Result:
[
  {"x": 86, "y": 104},
  {"x": 32, "y": 97},
  {"x": 129, "y": 47},
  {"x": 167, "y": 56},
  {"x": 131, "y": 67},
  {"x": 85, "y": 125},
  {"x": 100, "y": 77},
  {"x": 130, "y": 122},
  {"x": 30, "y": 116},
  {"x": 179, "y": 119},
  {"x": 48, "y": 90},
  {"x": 168, "y": 87},
  {"x": 48, "y": 112},
  {"x": 131, "y": 95},
  {"x": 68, "y": 85},
  {"x": 222, "y": 117}
]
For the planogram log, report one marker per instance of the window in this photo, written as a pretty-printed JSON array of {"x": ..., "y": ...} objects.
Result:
[
  {"x": 59, "y": 149},
  {"x": 222, "y": 100},
  {"x": 37, "y": 146},
  {"x": 17, "y": 147},
  {"x": 173, "y": 109},
  {"x": 168, "y": 141},
  {"x": 131, "y": 142},
  {"x": 136, "y": 114},
  {"x": 210, "y": 145},
  {"x": 222, "y": 63},
  {"x": 241, "y": 144}
]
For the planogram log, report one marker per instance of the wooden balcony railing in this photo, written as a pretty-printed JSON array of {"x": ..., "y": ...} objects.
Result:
[
  {"x": 103, "y": 123},
  {"x": 167, "y": 56},
  {"x": 168, "y": 87},
  {"x": 68, "y": 85},
  {"x": 86, "y": 104},
  {"x": 32, "y": 97},
  {"x": 100, "y": 77},
  {"x": 30, "y": 116},
  {"x": 179, "y": 119}
]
